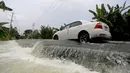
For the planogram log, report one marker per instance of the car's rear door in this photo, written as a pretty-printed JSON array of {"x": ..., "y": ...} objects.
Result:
[{"x": 74, "y": 29}]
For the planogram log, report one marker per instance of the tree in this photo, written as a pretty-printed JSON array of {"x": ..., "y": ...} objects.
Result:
[
  {"x": 113, "y": 17},
  {"x": 28, "y": 33},
  {"x": 14, "y": 33},
  {"x": 4, "y": 7},
  {"x": 55, "y": 30},
  {"x": 4, "y": 31},
  {"x": 36, "y": 34},
  {"x": 127, "y": 16},
  {"x": 47, "y": 32}
]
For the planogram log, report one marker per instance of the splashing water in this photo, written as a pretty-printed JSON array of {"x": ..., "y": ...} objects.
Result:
[
  {"x": 95, "y": 57},
  {"x": 17, "y": 59}
]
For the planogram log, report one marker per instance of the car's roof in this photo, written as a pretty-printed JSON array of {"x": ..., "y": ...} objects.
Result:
[{"x": 84, "y": 21}]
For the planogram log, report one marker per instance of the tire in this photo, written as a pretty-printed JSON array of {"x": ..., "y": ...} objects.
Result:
[
  {"x": 56, "y": 37},
  {"x": 83, "y": 37}
]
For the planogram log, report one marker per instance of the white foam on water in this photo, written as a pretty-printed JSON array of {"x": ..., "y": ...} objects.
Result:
[{"x": 17, "y": 52}]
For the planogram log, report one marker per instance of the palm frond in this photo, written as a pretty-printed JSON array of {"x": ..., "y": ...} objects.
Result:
[
  {"x": 98, "y": 10},
  {"x": 125, "y": 8},
  {"x": 109, "y": 7},
  {"x": 117, "y": 6},
  {"x": 3, "y": 23},
  {"x": 4, "y": 7},
  {"x": 106, "y": 21},
  {"x": 103, "y": 10},
  {"x": 94, "y": 13},
  {"x": 124, "y": 5}
]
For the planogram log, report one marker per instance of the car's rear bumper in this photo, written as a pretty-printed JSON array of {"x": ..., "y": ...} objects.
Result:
[
  {"x": 100, "y": 38},
  {"x": 101, "y": 34}
]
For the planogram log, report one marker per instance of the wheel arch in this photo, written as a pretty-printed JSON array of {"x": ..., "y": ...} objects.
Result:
[
  {"x": 55, "y": 36},
  {"x": 83, "y": 31}
]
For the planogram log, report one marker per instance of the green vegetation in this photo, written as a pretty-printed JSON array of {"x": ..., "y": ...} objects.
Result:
[
  {"x": 4, "y": 31},
  {"x": 28, "y": 33},
  {"x": 4, "y": 7},
  {"x": 36, "y": 34},
  {"x": 14, "y": 33},
  {"x": 45, "y": 32},
  {"x": 117, "y": 18}
]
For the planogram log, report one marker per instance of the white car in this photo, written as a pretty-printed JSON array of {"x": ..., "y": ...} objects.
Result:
[{"x": 83, "y": 31}]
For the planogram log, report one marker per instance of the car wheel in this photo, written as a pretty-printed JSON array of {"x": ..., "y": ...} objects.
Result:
[
  {"x": 55, "y": 37},
  {"x": 83, "y": 37}
]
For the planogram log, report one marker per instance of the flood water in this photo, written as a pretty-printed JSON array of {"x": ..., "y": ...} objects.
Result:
[{"x": 38, "y": 56}]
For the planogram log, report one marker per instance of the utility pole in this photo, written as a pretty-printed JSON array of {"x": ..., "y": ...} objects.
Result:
[
  {"x": 33, "y": 25},
  {"x": 10, "y": 33}
]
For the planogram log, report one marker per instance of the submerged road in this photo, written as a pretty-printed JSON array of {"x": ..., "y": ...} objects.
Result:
[
  {"x": 111, "y": 45},
  {"x": 45, "y": 56}
]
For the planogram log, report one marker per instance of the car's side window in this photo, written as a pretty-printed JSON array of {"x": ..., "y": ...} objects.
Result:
[
  {"x": 67, "y": 26},
  {"x": 75, "y": 24}
]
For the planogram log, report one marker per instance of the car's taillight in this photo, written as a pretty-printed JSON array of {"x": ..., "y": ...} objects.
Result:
[{"x": 98, "y": 26}]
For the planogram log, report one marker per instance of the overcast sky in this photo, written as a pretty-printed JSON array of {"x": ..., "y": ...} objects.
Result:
[{"x": 51, "y": 12}]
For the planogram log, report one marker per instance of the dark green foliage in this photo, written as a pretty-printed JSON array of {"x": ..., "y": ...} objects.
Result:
[
  {"x": 4, "y": 7},
  {"x": 47, "y": 32},
  {"x": 116, "y": 19},
  {"x": 4, "y": 31},
  {"x": 14, "y": 33},
  {"x": 36, "y": 34},
  {"x": 28, "y": 33}
]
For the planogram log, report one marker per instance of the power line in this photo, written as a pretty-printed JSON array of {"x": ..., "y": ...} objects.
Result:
[
  {"x": 17, "y": 23},
  {"x": 53, "y": 4},
  {"x": 50, "y": 8},
  {"x": 33, "y": 25},
  {"x": 8, "y": 16},
  {"x": 46, "y": 10},
  {"x": 54, "y": 8}
]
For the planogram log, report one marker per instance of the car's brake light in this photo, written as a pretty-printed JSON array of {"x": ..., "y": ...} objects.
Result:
[{"x": 98, "y": 26}]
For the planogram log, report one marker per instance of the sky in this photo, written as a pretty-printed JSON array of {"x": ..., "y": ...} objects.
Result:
[{"x": 50, "y": 12}]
